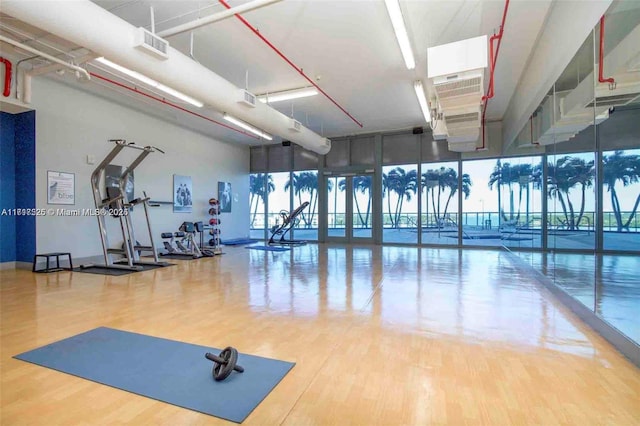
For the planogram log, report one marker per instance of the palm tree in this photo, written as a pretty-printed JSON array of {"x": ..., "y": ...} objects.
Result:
[
  {"x": 260, "y": 186},
  {"x": 305, "y": 182},
  {"x": 360, "y": 184},
  {"x": 386, "y": 192},
  {"x": 403, "y": 184},
  {"x": 626, "y": 169},
  {"x": 453, "y": 188},
  {"x": 508, "y": 174},
  {"x": 536, "y": 182},
  {"x": 583, "y": 176},
  {"x": 563, "y": 176},
  {"x": 443, "y": 179},
  {"x": 429, "y": 182},
  {"x": 496, "y": 179}
]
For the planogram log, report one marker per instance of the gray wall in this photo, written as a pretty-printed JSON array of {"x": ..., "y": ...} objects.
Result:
[{"x": 71, "y": 124}]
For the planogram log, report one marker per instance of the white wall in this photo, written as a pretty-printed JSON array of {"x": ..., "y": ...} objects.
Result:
[{"x": 71, "y": 124}]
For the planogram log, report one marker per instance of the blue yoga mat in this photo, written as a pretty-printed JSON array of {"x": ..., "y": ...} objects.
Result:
[
  {"x": 268, "y": 248},
  {"x": 162, "y": 369},
  {"x": 238, "y": 242}
]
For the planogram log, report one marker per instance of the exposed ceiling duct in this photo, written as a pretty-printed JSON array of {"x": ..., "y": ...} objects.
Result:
[{"x": 88, "y": 25}]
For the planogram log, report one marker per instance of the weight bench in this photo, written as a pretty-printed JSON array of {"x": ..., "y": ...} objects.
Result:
[
  {"x": 48, "y": 256},
  {"x": 289, "y": 220}
]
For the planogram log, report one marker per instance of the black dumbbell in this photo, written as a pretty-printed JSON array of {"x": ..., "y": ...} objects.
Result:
[{"x": 224, "y": 363}]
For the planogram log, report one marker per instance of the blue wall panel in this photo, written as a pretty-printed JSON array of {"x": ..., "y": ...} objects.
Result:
[
  {"x": 17, "y": 186},
  {"x": 7, "y": 187},
  {"x": 25, "y": 181}
]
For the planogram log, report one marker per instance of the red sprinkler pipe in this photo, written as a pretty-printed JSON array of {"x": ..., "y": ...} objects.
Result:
[
  {"x": 287, "y": 60},
  {"x": 492, "y": 64},
  {"x": 493, "y": 61},
  {"x": 171, "y": 104},
  {"x": 7, "y": 77},
  {"x": 601, "y": 78}
]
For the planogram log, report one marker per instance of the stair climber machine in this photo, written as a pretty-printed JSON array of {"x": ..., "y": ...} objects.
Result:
[{"x": 116, "y": 205}]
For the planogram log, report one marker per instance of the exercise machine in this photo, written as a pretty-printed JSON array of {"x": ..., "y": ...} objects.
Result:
[
  {"x": 186, "y": 245},
  {"x": 199, "y": 228},
  {"x": 169, "y": 245},
  {"x": 115, "y": 204},
  {"x": 289, "y": 220}
]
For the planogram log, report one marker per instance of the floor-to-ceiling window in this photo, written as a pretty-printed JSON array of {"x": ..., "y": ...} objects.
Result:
[
  {"x": 260, "y": 185},
  {"x": 621, "y": 196},
  {"x": 279, "y": 200},
  {"x": 400, "y": 188},
  {"x": 484, "y": 208},
  {"x": 336, "y": 206},
  {"x": 305, "y": 190},
  {"x": 362, "y": 206},
  {"x": 439, "y": 204},
  {"x": 400, "y": 204},
  {"x": 521, "y": 225},
  {"x": 571, "y": 200}
]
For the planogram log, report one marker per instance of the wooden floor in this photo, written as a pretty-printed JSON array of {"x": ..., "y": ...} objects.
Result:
[{"x": 380, "y": 335}]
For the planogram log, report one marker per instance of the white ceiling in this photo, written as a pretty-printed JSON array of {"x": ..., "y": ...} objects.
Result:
[{"x": 347, "y": 45}]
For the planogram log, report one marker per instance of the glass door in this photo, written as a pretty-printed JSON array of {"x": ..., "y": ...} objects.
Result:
[
  {"x": 349, "y": 208},
  {"x": 336, "y": 209},
  {"x": 361, "y": 205}
]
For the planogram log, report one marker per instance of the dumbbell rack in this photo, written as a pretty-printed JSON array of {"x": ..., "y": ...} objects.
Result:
[{"x": 214, "y": 226}]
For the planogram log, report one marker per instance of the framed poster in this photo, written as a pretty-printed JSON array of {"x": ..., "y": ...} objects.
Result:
[
  {"x": 61, "y": 188},
  {"x": 182, "y": 194},
  {"x": 224, "y": 196}
]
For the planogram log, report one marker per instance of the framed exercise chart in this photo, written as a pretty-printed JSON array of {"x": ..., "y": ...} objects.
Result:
[{"x": 61, "y": 188}]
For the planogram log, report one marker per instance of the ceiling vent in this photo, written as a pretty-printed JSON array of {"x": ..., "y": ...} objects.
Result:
[
  {"x": 148, "y": 42},
  {"x": 295, "y": 125},
  {"x": 459, "y": 90},
  {"x": 247, "y": 98},
  {"x": 614, "y": 100},
  {"x": 463, "y": 146},
  {"x": 462, "y": 122}
]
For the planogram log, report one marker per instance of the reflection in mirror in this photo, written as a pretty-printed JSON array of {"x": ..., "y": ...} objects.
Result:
[{"x": 589, "y": 128}]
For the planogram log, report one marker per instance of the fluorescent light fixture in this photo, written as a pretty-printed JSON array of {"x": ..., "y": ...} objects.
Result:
[
  {"x": 393, "y": 8},
  {"x": 422, "y": 100},
  {"x": 286, "y": 95},
  {"x": 150, "y": 82},
  {"x": 247, "y": 127}
]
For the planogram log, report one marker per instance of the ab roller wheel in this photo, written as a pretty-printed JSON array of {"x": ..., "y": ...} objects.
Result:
[{"x": 224, "y": 364}]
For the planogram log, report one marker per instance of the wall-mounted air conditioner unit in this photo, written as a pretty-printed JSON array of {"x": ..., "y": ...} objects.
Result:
[{"x": 456, "y": 71}]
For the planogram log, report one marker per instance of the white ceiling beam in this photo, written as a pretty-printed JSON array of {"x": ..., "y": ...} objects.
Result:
[
  {"x": 568, "y": 25},
  {"x": 200, "y": 22}
]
